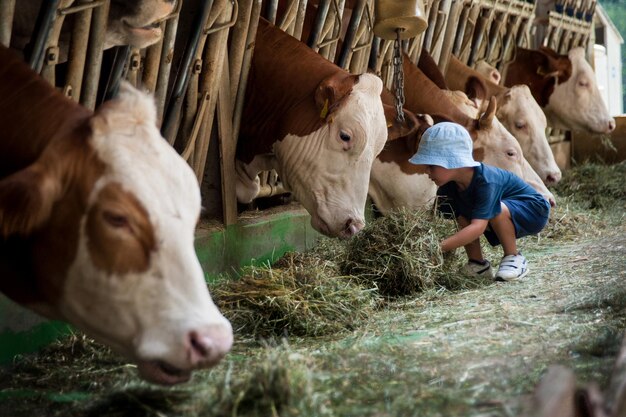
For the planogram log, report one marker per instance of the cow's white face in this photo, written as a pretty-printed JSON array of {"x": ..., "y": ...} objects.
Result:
[
  {"x": 576, "y": 104},
  {"x": 328, "y": 171},
  {"x": 496, "y": 146},
  {"x": 521, "y": 115},
  {"x": 136, "y": 283},
  {"x": 136, "y": 22}
]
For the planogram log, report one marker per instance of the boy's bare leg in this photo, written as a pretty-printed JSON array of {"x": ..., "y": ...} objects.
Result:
[
  {"x": 473, "y": 248},
  {"x": 503, "y": 227}
]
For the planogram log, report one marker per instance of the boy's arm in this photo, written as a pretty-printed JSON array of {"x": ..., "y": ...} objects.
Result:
[{"x": 466, "y": 235}]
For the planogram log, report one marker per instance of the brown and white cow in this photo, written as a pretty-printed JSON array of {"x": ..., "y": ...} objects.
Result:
[
  {"x": 517, "y": 110},
  {"x": 396, "y": 183},
  {"x": 564, "y": 86},
  {"x": 130, "y": 22},
  {"x": 97, "y": 221},
  {"x": 317, "y": 125}
]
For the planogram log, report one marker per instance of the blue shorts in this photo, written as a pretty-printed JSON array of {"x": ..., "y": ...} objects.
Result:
[{"x": 529, "y": 217}]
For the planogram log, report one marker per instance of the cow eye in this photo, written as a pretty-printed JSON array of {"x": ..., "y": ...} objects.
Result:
[
  {"x": 583, "y": 83},
  {"x": 520, "y": 125},
  {"x": 344, "y": 136},
  {"x": 115, "y": 220},
  {"x": 510, "y": 153}
]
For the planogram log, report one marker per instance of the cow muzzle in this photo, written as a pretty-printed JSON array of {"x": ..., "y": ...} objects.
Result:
[
  {"x": 202, "y": 348},
  {"x": 344, "y": 230}
]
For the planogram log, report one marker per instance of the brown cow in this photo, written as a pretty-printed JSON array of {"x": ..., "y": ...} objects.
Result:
[
  {"x": 317, "y": 125},
  {"x": 97, "y": 216},
  {"x": 564, "y": 86}
]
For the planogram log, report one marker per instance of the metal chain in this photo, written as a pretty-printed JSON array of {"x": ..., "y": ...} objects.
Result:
[{"x": 398, "y": 77}]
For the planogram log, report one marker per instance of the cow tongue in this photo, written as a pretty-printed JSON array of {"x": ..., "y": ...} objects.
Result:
[{"x": 159, "y": 372}]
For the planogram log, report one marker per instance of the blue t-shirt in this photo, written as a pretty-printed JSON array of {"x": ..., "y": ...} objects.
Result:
[{"x": 481, "y": 199}]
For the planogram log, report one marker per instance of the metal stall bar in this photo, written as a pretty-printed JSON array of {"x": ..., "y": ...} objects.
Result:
[
  {"x": 93, "y": 62},
  {"x": 460, "y": 32},
  {"x": 7, "y": 11},
  {"x": 77, "y": 53},
  {"x": 168, "y": 127},
  {"x": 448, "y": 39},
  {"x": 351, "y": 35},
  {"x": 322, "y": 13},
  {"x": 189, "y": 108},
  {"x": 361, "y": 51},
  {"x": 443, "y": 20},
  {"x": 472, "y": 22},
  {"x": 39, "y": 38},
  {"x": 165, "y": 63},
  {"x": 332, "y": 31},
  {"x": 245, "y": 67},
  {"x": 53, "y": 52}
]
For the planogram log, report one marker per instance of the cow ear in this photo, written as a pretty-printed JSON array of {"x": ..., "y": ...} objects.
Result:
[
  {"x": 486, "y": 119},
  {"x": 331, "y": 91},
  {"x": 27, "y": 198},
  {"x": 397, "y": 129},
  {"x": 476, "y": 90}
]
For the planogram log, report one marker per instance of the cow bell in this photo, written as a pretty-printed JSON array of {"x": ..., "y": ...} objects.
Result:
[{"x": 405, "y": 17}]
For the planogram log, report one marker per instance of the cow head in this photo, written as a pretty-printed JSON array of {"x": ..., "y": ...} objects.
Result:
[
  {"x": 110, "y": 213},
  {"x": 488, "y": 71},
  {"x": 328, "y": 170},
  {"x": 136, "y": 22},
  {"x": 564, "y": 86},
  {"x": 576, "y": 103}
]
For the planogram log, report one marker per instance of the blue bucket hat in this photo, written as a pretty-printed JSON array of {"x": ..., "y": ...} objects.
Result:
[{"x": 446, "y": 145}]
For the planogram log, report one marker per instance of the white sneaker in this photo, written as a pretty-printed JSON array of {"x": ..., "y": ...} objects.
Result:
[
  {"x": 512, "y": 267},
  {"x": 476, "y": 269}
]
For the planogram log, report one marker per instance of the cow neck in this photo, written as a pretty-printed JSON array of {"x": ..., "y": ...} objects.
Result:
[
  {"x": 460, "y": 72},
  {"x": 524, "y": 69},
  {"x": 429, "y": 67},
  {"x": 32, "y": 113},
  {"x": 280, "y": 93},
  {"x": 423, "y": 96}
]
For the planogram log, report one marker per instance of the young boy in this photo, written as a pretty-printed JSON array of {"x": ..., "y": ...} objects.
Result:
[{"x": 484, "y": 199}]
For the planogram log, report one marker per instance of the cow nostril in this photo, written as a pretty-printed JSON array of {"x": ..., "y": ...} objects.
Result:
[
  {"x": 209, "y": 345},
  {"x": 353, "y": 227},
  {"x": 611, "y": 125},
  {"x": 553, "y": 178},
  {"x": 200, "y": 345}
]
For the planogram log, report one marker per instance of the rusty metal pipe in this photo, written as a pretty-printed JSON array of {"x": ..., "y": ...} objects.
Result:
[
  {"x": 182, "y": 76},
  {"x": 78, "y": 52},
  {"x": 39, "y": 38},
  {"x": 353, "y": 26},
  {"x": 245, "y": 67},
  {"x": 93, "y": 62}
]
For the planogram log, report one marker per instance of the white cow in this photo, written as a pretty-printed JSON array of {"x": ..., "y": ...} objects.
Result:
[{"x": 564, "y": 86}]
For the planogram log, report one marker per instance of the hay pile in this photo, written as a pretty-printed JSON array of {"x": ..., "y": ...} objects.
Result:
[
  {"x": 568, "y": 221},
  {"x": 300, "y": 295},
  {"x": 400, "y": 255},
  {"x": 279, "y": 384},
  {"x": 596, "y": 186}
]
